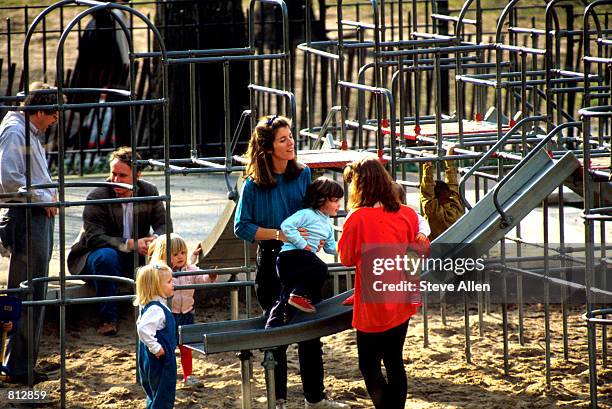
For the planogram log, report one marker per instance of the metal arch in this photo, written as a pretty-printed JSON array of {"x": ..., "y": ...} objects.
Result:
[
  {"x": 590, "y": 11},
  {"x": 502, "y": 19},
  {"x": 59, "y": 58},
  {"x": 287, "y": 94},
  {"x": 59, "y": 79},
  {"x": 340, "y": 64},
  {"x": 586, "y": 114},
  {"x": 285, "y": 13},
  {"x": 462, "y": 13},
  {"x": 550, "y": 14},
  {"x": 61, "y": 107},
  {"x": 30, "y": 32},
  {"x": 92, "y": 3},
  {"x": 387, "y": 93},
  {"x": 101, "y": 6},
  {"x": 251, "y": 39},
  {"x": 459, "y": 85}
]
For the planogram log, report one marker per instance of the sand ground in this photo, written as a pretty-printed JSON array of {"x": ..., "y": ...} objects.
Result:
[{"x": 101, "y": 371}]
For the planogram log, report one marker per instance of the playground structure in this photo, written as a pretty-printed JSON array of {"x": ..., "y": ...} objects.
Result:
[{"x": 551, "y": 93}]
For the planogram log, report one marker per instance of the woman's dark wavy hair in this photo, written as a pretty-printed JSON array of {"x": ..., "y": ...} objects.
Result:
[
  {"x": 259, "y": 152},
  {"x": 370, "y": 184},
  {"x": 320, "y": 190}
]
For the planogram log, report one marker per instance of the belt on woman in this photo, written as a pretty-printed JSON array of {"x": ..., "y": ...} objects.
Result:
[{"x": 270, "y": 244}]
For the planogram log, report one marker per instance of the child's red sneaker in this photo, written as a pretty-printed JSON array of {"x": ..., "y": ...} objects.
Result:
[
  {"x": 301, "y": 303},
  {"x": 349, "y": 301}
]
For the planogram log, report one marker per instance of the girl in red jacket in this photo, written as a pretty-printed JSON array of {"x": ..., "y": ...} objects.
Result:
[{"x": 375, "y": 236}]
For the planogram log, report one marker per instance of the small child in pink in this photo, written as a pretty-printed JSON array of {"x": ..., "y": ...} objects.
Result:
[{"x": 183, "y": 301}]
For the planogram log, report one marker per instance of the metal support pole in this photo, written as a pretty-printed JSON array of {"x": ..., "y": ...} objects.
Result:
[
  {"x": 193, "y": 110},
  {"x": 546, "y": 295},
  {"x": 480, "y": 306},
  {"x": 234, "y": 304},
  {"x": 425, "y": 322},
  {"x": 245, "y": 372},
  {"x": 466, "y": 323},
  {"x": 442, "y": 28},
  {"x": 269, "y": 363},
  {"x": 563, "y": 276},
  {"x": 504, "y": 309},
  {"x": 349, "y": 280},
  {"x": 336, "y": 284},
  {"x": 592, "y": 340}
]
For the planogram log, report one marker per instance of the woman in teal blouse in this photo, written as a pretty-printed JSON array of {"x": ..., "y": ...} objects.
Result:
[{"x": 275, "y": 188}]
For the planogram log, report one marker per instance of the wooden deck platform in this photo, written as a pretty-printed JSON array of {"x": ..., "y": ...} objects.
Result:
[
  {"x": 449, "y": 129},
  {"x": 602, "y": 163},
  {"x": 325, "y": 158}
]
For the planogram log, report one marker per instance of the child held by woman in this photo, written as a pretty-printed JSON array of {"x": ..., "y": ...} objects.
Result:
[{"x": 301, "y": 272}]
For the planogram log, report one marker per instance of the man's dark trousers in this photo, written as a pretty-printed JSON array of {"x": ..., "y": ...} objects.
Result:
[
  {"x": 110, "y": 262},
  {"x": 14, "y": 236}
]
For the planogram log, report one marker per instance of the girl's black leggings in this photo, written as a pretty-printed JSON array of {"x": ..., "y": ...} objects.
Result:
[{"x": 387, "y": 347}]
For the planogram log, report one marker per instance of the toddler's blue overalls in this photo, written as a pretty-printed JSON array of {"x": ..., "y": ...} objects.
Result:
[{"x": 158, "y": 375}]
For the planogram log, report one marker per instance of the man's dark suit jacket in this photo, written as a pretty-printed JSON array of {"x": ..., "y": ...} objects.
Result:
[{"x": 103, "y": 223}]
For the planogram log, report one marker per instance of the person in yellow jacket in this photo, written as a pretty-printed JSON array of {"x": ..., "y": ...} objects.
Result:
[{"x": 441, "y": 203}]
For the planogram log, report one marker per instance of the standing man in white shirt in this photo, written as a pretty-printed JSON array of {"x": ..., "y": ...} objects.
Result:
[{"x": 13, "y": 232}]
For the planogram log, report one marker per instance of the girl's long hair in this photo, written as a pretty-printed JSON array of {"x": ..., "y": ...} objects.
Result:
[
  {"x": 149, "y": 281},
  {"x": 177, "y": 244},
  {"x": 259, "y": 167},
  {"x": 370, "y": 184}
]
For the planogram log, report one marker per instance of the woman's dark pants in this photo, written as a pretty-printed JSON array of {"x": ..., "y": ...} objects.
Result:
[{"x": 268, "y": 288}]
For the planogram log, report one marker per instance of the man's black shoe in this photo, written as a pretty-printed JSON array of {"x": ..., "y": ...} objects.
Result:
[
  {"x": 23, "y": 378},
  {"x": 108, "y": 329}
]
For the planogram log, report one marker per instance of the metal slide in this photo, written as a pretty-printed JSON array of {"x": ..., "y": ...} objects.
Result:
[
  {"x": 483, "y": 226},
  {"x": 221, "y": 248},
  {"x": 240, "y": 335},
  {"x": 480, "y": 227}
]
